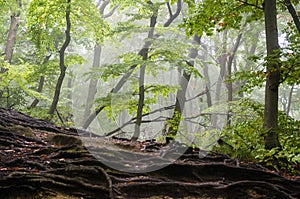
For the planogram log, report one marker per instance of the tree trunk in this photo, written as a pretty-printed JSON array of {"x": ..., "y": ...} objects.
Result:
[
  {"x": 40, "y": 88},
  {"x": 137, "y": 127},
  {"x": 222, "y": 61},
  {"x": 11, "y": 40},
  {"x": 93, "y": 84},
  {"x": 290, "y": 100},
  {"x": 174, "y": 122},
  {"x": 62, "y": 60},
  {"x": 273, "y": 76},
  {"x": 69, "y": 96},
  {"x": 229, "y": 73},
  {"x": 41, "y": 84},
  {"x": 96, "y": 64},
  {"x": 207, "y": 78},
  {"x": 250, "y": 52}
]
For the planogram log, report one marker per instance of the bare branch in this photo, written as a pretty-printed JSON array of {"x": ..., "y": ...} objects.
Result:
[
  {"x": 103, "y": 6},
  {"x": 98, "y": 3},
  {"x": 110, "y": 12},
  {"x": 169, "y": 9},
  {"x": 293, "y": 13},
  {"x": 250, "y": 4},
  {"x": 175, "y": 15}
]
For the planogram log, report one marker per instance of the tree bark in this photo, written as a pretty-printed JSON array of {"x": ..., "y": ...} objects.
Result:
[
  {"x": 10, "y": 42},
  {"x": 207, "y": 78},
  {"x": 96, "y": 64},
  {"x": 11, "y": 38},
  {"x": 40, "y": 88},
  {"x": 273, "y": 76},
  {"x": 93, "y": 84},
  {"x": 222, "y": 61},
  {"x": 229, "y": 73},
  {"x": 137, "y": 127},
  {"x": 62, "y": 66},
  {"x": 290, "y": 100},
  {"x": 174, "y": 122},
  {"x": 41, "y": 84},
  {"x": 69, "y": 96}
]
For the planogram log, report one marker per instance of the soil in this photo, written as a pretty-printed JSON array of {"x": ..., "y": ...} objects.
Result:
[{"x": 41, "y": 160}]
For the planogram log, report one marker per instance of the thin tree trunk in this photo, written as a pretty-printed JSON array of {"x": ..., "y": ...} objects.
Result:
[
  {"x": 207, "y": 85},
  {"x": 273, "y": 76},
  {"x": 180, "y": 96},
  {"x": 96, "y": 64},
  {"x": 290, "y": 100},
  {"x": 229, "y": 73},
  {"x": 293, "y": 13},
  {"x": 10, "y": 42},
  {"x": 123, "y": 80},
  {"x": 11, "y": 38},
  {"x": 137, "y": 127},
  {"x": 207, "y": 78},
  {"x": 93, "y": 84},
  {"x": 69, "y": 96},
  {"x": 62, "y": 60},
  {"x": 253, "y": 47},
  {"x": 222, "y": 61},
  {"x": 40, "y": 89},
  {"x": 41, "y": 84}
]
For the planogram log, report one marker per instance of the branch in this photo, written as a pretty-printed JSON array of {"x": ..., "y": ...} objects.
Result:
[
  {"x": 196, "y": 96},
  {"x": 175, "y": 15},
  {"x": 110, "y": 12},
  {"x": 131, "y": 121},
  {"x": 103, "y": 6},
  {"x": 98, "y": 3},
  {"x": 169, "y": 9},
  {"x": 293, "y": 13},
  {"x": 250, "y": 4}
]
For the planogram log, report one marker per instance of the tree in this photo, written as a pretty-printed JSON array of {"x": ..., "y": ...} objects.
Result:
[
  {"x": 174, "y": 122},
  {"x": 96, "y": 62},
  {"x": 124, "y": 78},
  {"x": 273, "y": 76},
  {"x": 62, "y": 65},
  {"x": 144, "y": 54},
  {"x": 12, "y": 32},
  {"x": 46, "y": 20}
]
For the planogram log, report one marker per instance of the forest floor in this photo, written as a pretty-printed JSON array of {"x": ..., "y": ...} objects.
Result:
[{"x": 41, "y": 160}]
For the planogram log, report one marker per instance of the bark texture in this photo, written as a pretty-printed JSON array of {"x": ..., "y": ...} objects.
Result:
[
  {"x": 62, "y": 65},
  {"x": 144, "y": 54},
  {"x": 181, "y": 93},
  {"x": 273, "y": 76}
]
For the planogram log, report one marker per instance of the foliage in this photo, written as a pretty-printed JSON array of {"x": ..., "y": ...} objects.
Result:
[
  {"x": 290, "y": 70},
  {"x": 245, "y": 133},
  {"x": 46, "y": 21},
  {"x": 17, "y": 84},
  {"x": 209, "y": 16}
]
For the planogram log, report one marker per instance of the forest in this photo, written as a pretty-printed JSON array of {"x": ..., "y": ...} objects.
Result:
[{"x": 150, "y": 99}]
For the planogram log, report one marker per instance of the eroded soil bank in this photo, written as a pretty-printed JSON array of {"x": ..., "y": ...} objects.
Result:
[{"x": 41, "y": 160}]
